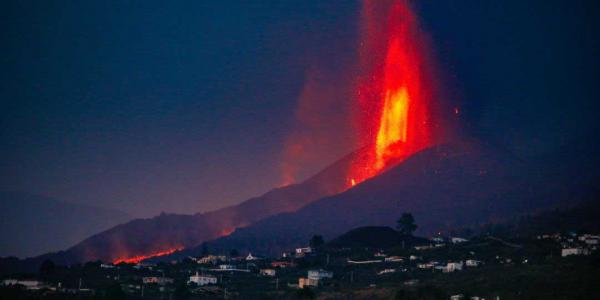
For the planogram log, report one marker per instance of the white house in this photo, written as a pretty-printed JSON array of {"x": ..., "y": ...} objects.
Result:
[
  {"x": 211, "y": 259},
  {"x": 472, "y": 263},
  {"x": 457, "y": 240},
  {"x": 305, "y": 282},
  {"x": 319, "y": 274},
  {"x": 268, "y": 272},
  {"x": 203, "y": 279},
  {"x": 303, "y": 251},
  {"x": 453, "y": 266},
  {"x": 157, "y": 280},
  {"x": 226, "y": 267},
  {"x": 573, "y": 251},
  {"x": 428, "y": 265}
]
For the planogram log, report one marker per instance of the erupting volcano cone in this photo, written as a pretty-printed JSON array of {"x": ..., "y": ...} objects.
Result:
[{"x": 395, "y": 93}]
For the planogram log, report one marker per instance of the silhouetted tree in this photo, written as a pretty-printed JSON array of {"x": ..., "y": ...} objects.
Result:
[
  {"x": 234, "y": 253},
  {"x": 316, "y": 241},
  {"x": 47, "y": 267},
  {"x": 114, "y": 292},
  {"x": 305, "y": 293},
  {"x": 204, "y": 250},
  {"x": 90, "y": 265},
  {"x": 406, "y": 224},
  {"x": 182, "y": 291}
]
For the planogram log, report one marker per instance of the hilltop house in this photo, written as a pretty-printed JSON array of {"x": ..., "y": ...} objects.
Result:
[
  {"x": 202, "y": 280},
  {"x": 252, "y": 257},
  {"x": 301, "y": 252}
]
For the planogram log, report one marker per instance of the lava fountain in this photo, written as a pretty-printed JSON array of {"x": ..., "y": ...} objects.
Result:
[{"x": 395, "y": 90}]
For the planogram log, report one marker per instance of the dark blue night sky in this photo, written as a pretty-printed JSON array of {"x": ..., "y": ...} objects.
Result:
[{"x": 149, "y": 106}]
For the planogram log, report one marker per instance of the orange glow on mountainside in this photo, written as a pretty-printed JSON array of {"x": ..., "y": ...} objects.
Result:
[
  {"x": 138, "y": 258},
  {"x": 395, "y": 93}
]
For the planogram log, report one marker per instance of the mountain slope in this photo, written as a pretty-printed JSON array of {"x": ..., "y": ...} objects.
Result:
[
  {"x": 444, "y": 187},
  {"x": 144, "y": 237},
  {"x": 24, "y": 216}
]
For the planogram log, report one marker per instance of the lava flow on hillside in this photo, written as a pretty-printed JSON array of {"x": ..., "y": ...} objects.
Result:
[
  {"x": 395, "y": 90},
  {"x": 138, "y": 258}
]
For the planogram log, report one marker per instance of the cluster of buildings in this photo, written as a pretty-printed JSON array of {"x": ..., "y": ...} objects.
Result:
[
  {"x": 37, "y": 285},
  {"x": 583, "y": 244},
  {"x": 28, "y": 284},
  {"x": 573, "y": 243},
  {"x": 450, "y": 266},
  {"x": 202, "y": 280}
]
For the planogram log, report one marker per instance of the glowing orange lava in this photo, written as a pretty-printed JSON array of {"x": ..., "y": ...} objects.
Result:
[
  {"x": 392, "y": 127},
  {"x": 138, "y": 258},
  {"x": 395, "y": 94}
]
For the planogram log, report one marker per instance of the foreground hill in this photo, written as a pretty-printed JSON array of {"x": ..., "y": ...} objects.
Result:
[
  {"x": 24, "y": 216},
  {"x": 378, "y": 237},
  {"x": 445, "y": 187}
]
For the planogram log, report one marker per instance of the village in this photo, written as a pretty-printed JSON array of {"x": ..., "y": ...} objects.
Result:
[{"x": 317, "y": 270}]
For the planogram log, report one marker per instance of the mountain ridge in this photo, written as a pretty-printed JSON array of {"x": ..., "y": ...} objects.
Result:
[{"x": 63, "y": 223}]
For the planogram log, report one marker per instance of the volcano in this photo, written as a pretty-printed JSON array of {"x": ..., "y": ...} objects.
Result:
[{"x": 396, "y": 92}]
